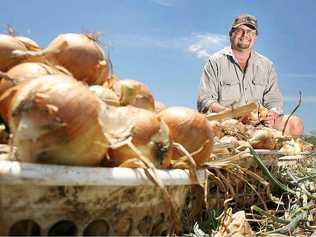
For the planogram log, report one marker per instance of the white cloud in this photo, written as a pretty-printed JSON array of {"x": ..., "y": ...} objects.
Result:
[
  {"x": 305, "y": 99},
  {"x": 205, "y": 44},
  {"x": 199, "y": 45}
]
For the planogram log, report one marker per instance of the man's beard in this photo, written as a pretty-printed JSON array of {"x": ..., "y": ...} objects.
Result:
[{"x": 243, "y": 45}]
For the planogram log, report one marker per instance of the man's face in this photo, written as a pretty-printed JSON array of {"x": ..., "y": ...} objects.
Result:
[{"x": 243, "y": 38}]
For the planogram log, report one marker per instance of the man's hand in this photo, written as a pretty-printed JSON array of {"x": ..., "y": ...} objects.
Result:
[
  {"x": 271, "y": 119},
  {"x": 216, "y": 108}
]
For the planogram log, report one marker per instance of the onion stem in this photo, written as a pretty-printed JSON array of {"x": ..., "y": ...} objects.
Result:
[{"x": 268, "y": 173}]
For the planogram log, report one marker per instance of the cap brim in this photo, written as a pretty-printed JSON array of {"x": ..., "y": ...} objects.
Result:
[{"x": 245, "y": 23}]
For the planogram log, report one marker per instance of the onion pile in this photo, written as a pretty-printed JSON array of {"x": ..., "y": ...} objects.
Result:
[
  {"x": 148, "y": 135},
  {"x": 80, "y": 54},
  {"x": 134, "y": 93},
  {"x": 190, "y": 129},
  {"x": 55, "y": 119}
]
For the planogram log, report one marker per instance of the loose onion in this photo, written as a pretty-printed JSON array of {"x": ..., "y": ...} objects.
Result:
[
  {"x": 263, "y": 139},
  {"x": 55, "y": 119},
  {"x": 190, "y": 129},
  {"x": 134, "y": 93},
  {"x": 255, "y": 117},
  {"x": 292, "y": 147}
]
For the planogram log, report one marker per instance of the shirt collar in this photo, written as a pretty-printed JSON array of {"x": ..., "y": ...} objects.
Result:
[{"x": 229, "y": 52}]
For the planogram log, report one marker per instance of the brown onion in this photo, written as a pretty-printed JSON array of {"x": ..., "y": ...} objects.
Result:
[
  {"x": 105, "y": 94},
  {"x": 255, "y": 117},
  {"x": 134, "y": 93},
  {"x": 5, "y": 104},
  {"x": 8, "y": 45},
  {"x": 263, "y": 139},
  {"x": 292, "y": 147},
  {"x": 28, "y": 71},
  {"x": 148, "y": 134},
  {"x": 28, "y": 43},
  {"x": 55, "y": 119},
  {"x": 81, "y": 55},
  {"x": 18, "y": 74},
  {"x": 190, "y": 129}
]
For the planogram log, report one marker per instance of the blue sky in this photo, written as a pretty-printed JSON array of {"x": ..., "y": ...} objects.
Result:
[{"x": 165, "y": 43}]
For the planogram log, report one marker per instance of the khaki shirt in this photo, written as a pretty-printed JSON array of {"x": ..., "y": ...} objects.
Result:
[{"x": 224, "y": 82}]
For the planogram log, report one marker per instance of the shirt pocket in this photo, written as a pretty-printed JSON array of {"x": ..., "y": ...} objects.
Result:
[
  {"x": 258, "y": 88},
  {"x": 230, "y": 92}
]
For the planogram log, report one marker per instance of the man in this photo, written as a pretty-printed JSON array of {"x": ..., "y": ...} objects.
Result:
[{"x": 238, "y": 75}]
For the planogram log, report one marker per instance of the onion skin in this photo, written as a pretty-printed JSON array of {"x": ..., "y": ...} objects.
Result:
[
  {"x": 267, "y": 143},
  {"x": 159, "y": 106},
  {"x": 28, "y": 71},
  {"x": 81, "y": 56},
  {"x": 28, "y": 43},
  {"x": 113, "y": 78},
  {"x": 149, "y": 136},
  {"x": 132, "y": 92},
  {"x": 5, "y": 104},
  {"x": 20, "y": 73},
  {"x": 8, "y": 44},
  {"x": 255, "y": 117},
  {"x": 191, "y": 129},
  {"x": 263, "y": 139},
  {"x": 55, "y": 119},
  {"x": 292, "y": 147},
  {"x": 216, "y": 128},
  {"x": 105, "y": 94}
]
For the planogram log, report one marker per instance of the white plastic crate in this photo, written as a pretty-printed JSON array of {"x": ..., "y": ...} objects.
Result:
[{"x": 40, "y": 199}]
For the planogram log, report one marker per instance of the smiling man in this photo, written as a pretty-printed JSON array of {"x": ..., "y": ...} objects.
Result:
[{"x": 238, "y": 75}]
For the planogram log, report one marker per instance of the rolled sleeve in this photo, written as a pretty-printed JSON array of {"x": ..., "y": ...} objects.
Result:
[
  {"x": 273, "y": 99},
  {"x": 207, "y": 92}
]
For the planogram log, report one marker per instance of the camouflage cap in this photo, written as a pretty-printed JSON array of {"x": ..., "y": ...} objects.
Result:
[{"x": 245, "y": 19}]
